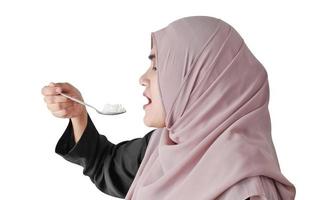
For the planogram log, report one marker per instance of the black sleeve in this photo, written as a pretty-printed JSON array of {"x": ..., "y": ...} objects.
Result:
[{"x": 111, "y": 167}]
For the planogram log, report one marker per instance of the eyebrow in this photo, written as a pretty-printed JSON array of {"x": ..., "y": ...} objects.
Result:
[{"x": 151, "y": 56}]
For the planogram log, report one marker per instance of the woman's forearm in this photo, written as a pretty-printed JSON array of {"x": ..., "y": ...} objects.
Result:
[{"x": 79, "y": 124}]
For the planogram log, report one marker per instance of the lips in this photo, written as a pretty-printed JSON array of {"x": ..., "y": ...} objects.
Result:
[{"x": 147, "y": 96}]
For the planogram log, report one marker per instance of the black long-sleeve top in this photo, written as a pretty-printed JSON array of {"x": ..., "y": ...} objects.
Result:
[{"x": 111, "y": 167}]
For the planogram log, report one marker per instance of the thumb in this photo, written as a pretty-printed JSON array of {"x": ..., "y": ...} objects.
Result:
[
  {"x": 58, "y": 89},
  {"x": 64, "y": 87}
]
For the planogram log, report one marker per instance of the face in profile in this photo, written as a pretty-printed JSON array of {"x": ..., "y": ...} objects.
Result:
[{"x": 154, "y": 112}]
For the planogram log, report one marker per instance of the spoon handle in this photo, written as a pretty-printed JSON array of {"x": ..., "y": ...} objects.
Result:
[{"x": 76, "y": 100}]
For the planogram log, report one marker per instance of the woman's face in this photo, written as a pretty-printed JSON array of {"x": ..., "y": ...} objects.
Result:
[{"x": 154, "y": 112}]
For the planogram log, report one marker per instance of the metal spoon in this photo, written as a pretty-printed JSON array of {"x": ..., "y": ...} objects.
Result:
[{"x": 107, "y": 110}]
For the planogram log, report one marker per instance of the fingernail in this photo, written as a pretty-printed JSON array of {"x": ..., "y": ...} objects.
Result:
[{"x": 51, "y": 84}]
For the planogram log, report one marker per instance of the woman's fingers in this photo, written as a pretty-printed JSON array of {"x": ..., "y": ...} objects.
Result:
[
  {"x": 64, "y": 87},
  {"x": 50, "y": 90},
  {"x": 56, "y": 88},
  {"x": 64, "y": 113},
  {"x": 55, "y": 99},
  {"x": 54, "y": 107}
]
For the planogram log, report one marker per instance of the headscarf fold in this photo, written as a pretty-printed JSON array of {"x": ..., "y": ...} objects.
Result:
[{"x": 217, "y": 142}]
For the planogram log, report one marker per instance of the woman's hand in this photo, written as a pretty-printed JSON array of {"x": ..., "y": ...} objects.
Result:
[{"x": 61, "y": 106}]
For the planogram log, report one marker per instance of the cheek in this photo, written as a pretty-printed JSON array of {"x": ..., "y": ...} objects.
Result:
[
  {"x": 156, "y": 97},
  {"x": 156, "y": 93},
  {"x": 158, "y": 106}
]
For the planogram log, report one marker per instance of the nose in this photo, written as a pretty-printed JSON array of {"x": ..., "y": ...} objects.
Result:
[{"x": 143, "y": 81}]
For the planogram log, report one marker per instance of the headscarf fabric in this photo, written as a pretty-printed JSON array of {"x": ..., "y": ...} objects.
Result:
[{"x": 217, "y": 141}]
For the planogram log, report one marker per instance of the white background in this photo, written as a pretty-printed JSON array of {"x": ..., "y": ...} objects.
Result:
[{"x": 101, "y": 47}]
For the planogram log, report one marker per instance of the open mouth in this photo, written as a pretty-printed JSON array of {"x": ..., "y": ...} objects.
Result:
[{"x": 149, "y": 101}]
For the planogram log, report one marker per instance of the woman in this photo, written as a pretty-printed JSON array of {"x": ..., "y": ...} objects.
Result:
[{"x": 209, "y": 103}]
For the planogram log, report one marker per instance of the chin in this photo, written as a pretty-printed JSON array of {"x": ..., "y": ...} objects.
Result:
[
  {"x": 149, "y": 124},
  {"x": 152, "y": 123},
  {"x": 147, "y": 121}
]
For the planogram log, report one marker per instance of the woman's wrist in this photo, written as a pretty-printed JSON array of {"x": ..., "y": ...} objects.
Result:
[{"x": 79, "y": 124}]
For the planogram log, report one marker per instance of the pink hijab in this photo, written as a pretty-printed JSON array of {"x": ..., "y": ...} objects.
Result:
[{"x": 217, "y": 141}]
